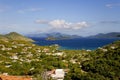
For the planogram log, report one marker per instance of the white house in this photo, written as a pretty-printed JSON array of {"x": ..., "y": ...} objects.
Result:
[
  {"x": 58, "y": 54},
  {"x": 14, "y": 57},
  {"x": 58, "y": 75}
]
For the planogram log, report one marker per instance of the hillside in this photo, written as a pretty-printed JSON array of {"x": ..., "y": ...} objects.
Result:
[
  {"x": 25, "y": 58},
  {"x": 2, "y": 37},
  {"x": 103, "y": 65},
  {"x": 19, "y": 57},
  {"x": 14, "y": 36}
]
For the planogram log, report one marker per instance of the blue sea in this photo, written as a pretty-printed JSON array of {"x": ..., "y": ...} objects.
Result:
[{"x": 75, "y": 44}]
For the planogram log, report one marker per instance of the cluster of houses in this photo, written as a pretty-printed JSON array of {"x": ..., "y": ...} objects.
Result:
[
  {"x": 57, "y": 74},
  {"x": 3, "y": 48},
  {"x": 105, "y": 49},
  {"x": 26, "y": 50}
]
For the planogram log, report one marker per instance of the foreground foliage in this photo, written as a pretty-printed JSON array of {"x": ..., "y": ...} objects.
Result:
[
  {"x": 19, "y": 57},
  {"x": 104, "y": 64}
]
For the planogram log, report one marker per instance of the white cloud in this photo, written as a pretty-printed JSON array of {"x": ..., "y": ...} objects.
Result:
[
  {"x": 113, "y": 5},
  {"x": 62, "y": 24},
  {"x": 59, "y": 24},
  {"x": 29, "y": 10},
  {"x": 80, "y": 25}
]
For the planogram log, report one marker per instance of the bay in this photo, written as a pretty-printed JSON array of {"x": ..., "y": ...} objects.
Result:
[{"x": 75, "y": 44}]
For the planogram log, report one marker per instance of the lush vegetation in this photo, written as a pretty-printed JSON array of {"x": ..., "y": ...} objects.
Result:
[
  {"x": 24, "y": 58},
  {"x": 104, "y": 64},
  {"x": 19, "y": 57}
]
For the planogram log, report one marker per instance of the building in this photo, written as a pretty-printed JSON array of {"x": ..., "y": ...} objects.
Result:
[{"x": 57, "y": 74}]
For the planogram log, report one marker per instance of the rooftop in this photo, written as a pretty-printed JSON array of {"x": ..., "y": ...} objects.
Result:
[{"x": 7, "y": 77}]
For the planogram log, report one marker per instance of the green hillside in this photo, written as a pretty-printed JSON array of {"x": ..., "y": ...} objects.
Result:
[
  {"x": 14, "y": 36},
  {"x": 2, "y": 37},
  {"x": 18, "y": 56},
  {"x": 103, "y": 64},
  {"x": 25, "y": 58}
]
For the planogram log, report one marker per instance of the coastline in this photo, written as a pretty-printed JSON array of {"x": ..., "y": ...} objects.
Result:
[{"x": 75, "y": 44}]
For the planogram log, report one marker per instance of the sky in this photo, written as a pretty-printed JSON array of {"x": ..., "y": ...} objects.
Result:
[{"x": 81, "y": 17}]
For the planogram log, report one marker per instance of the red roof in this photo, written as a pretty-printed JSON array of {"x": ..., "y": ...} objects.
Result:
[{"x": 4, "y": 77}]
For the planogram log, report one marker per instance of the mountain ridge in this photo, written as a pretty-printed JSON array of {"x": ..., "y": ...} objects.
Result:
[
  {"x": 60, "y": 36},
  {"x": 53, "y": 36},
  {"x": 106, "y": 35}
]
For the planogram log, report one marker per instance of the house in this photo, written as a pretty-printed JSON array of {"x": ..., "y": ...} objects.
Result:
[
  {"x": 112, "y": 47},
  {"x": 73, "y": 61},
  {"x": 105, "y": 50},
  {"x": 14, "y": 46},
  {"x": 58, "y": 54},
  {"x": 45, "y": 50},
  {"x": 8, "y": 77},
  {"x": 57, "y": 74},
  {"x": 21, "y": 45},
  {"x": 14, "y": 57}
]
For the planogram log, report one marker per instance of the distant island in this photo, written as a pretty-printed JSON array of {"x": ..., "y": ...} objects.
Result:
[
  {"x": 60, "y": 36},
  {"x": 53, "y": 36},
  {"x": 107, "y": 35}
]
